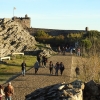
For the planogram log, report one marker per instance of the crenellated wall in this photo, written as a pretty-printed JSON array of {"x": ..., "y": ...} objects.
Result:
[
  {"x": 54, "y": 32},
  {"x": 25, "y": 21}
]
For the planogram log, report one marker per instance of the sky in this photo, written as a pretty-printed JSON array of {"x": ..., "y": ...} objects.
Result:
[{"x": 55, "y": 14}]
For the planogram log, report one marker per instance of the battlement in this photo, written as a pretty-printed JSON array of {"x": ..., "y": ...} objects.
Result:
[
  {"x": 26, "y": 17},
  {"x": 25, "y": 21}
]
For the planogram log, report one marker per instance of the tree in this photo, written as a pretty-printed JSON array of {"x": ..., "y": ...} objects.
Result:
[
  {"x": 85, "y": 45},
  {"x": 59, "y": 39},
  {"x": 73, "y": 37},
  {"x": 91, "y": 41},
  {"x": 41, "y": 36},
  {"x": 41, "y": 33}
]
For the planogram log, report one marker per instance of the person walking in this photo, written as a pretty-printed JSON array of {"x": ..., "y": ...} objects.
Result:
[
  {"x": 51, "y": 67},
  {"x": 77, "y": 70},
  {"x": 44, "y": 60},
  {"x": 78, "y": 52},
  {"x": 63, "y": 50},
  {"x": 61, "y": 68},
  {"x": 71, "y": 50},
  {"x": 36, "y": 66},
  {"x": 9, "y": 91},
  {"x": 38, "y": 58},
  {"x": 59, "y": 50},
  {"x": 56, "y": 68},
  {"x": 23, "y": 65},
  {"x": 1, "y": 92}
]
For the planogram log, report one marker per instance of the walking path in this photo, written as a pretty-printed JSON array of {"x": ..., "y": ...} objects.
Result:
[{"x": 24, "y": 85}]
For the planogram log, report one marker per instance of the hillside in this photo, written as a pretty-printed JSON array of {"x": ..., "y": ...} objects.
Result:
[{"x": 14, "y": 38}]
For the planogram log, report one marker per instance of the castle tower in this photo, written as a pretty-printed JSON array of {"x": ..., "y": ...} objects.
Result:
[
  {"x": 25, "y": 21},
  {"x": 26, "y": 16},
  {"x": 86, "y": 29}
]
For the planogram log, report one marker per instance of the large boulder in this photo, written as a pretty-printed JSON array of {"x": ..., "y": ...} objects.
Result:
[
  {"x": 63, "y": 91},
  {"x": 92, "y": 91},
  {"x": 14, "y": 38}
]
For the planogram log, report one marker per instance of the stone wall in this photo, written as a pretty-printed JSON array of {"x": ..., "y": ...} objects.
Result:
[
  {"x": 53, "y": 32},
  {"x": 25, "y": 21}
]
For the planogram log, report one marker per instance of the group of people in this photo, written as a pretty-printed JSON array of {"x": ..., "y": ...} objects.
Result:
[
  {"x": 54, "y": 69},
  {"x": 57, "y": 67},
  {"x": 42, "y": 59},
  {"x": 42, "y": 62},
  {"x": 63, "y": 50},
  {"x": 8, "y": 91},
  {"x": 70, "y": 49}
]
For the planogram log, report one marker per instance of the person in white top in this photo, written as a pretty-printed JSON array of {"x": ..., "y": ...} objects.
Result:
[{"x": 1, "y": 92}]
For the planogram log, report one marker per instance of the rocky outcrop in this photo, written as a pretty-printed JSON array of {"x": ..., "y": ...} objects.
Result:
[
  {"x": 14, "y": 38},
  {"x": 71, "y": 91},
  {"x": 92, "y": 91},
  {"x": 76, "y": 90}
]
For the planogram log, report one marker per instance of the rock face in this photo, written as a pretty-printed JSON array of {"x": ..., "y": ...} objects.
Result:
[
  {"x": 14, "y": 38},
  {"x": 91, "y": 91},
  {"x": 71, "y": 91}
]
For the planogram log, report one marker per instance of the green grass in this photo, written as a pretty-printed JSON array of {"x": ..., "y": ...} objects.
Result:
[{"x": 12, "y": 67}]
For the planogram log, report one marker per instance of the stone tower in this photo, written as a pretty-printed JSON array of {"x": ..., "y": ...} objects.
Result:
[
  {"x": 86, "y": 29},
  {"x": 25, "y": 21}
]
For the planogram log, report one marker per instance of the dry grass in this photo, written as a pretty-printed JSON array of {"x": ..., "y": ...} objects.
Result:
[{"x": 89, "y": 68}]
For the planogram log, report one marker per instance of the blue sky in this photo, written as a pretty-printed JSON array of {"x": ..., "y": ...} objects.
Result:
[{"x": 55, "y": 14}]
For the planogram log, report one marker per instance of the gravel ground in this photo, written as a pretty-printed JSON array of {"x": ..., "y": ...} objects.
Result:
[{"x": 24, "y": 85}]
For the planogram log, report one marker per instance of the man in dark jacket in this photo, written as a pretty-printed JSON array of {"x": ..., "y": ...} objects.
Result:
[
  {"x": 23, "y": 65},
  {"x": 61, "y": 68},
  {"x": 57, "y": 68}
]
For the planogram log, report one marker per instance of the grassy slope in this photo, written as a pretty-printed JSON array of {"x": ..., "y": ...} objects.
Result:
[{"x": 13, "y": 66}]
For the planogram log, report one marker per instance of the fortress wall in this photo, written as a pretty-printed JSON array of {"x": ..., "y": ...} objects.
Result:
[
  {"x": 53, "y": 32},
  {"x": 23, "y": 21}
]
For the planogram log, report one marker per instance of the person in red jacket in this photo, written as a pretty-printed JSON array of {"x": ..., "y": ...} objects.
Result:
[{"x": 9, "y": 91}]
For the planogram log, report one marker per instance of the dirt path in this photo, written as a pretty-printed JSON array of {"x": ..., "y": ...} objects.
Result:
[{"x": 24, "y": 85}]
